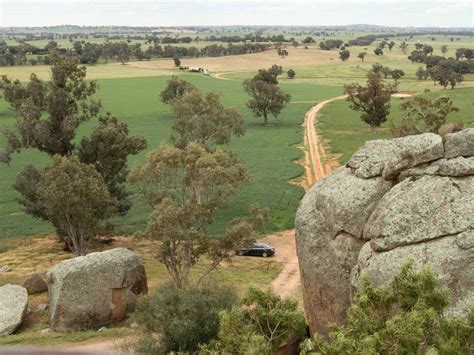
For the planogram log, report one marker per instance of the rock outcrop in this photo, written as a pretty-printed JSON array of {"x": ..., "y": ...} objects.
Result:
[
  {"x": 95, "y": 290},
  {"x": 410, "y": 197},
  {"x": 13, "y": 307}
]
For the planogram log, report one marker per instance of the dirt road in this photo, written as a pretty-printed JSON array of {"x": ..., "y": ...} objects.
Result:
[
  {"x": 316, "y": 165},
  {"x": 288, "y": 283}
]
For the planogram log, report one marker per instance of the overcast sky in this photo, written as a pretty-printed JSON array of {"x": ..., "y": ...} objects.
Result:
[{"x": 442, "y": 13}]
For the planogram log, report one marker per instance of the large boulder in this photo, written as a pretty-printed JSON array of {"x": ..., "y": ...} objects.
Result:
[
  {"x": 95, "y": 290},
  {"x": 13, "y": 307},
  {"x": 395, "y": 199},
  {"x": 329, "y": 233}
]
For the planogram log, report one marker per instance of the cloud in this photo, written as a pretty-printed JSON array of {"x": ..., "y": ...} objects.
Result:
[
  {"x": 443, "y": 7},
  {"x": 402, "y": 13}
]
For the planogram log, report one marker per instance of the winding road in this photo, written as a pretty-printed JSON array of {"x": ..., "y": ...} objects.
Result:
[
  {"x": 288, "y": 283},
  {"x": 316, "y": 166}
]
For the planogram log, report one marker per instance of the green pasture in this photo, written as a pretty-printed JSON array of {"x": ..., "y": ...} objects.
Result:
[
  {"x": 269, "y": 152},
  {"x": 344, "y": 132}
]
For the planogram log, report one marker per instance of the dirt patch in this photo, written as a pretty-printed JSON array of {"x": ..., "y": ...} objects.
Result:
[
  {"x": 401, "y": 94},
  {"x": 287, "y": 283}
]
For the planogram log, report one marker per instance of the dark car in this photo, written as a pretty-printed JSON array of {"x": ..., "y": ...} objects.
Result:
[{"x": 257, "y": 249}]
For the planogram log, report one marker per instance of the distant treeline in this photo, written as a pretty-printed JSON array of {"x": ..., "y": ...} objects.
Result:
[
  {"x": 368, "y": 39},
  {"x": 167, "y": 39},
  {"x": 91, "y": 53}
]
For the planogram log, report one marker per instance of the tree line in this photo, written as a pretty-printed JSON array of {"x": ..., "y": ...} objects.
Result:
[
  {"x": 91, "y": 53},
  {"x": 369, "y": 39}
]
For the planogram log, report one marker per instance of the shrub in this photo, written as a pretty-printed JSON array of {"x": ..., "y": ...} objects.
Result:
[
  {"x": 180, "y": 319},
  {"x": 407, "y": 317},
  {"x": 262, "y": 323}
]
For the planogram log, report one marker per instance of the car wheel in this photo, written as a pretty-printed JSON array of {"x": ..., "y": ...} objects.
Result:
[
  {"x": 264, "y": 254},
  {"x": 240, "y": 253}
]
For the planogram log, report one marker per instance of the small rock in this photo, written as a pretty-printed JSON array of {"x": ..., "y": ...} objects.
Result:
[
  {"x": 102, "y": 329},
  {"x": 41, "y": 307},
  {"x": 13, "y": 306},
  {"x": 134, "y": 325},
  {"x": 35, "y": 284},
  {"x": 390, "y": 157},
  {"x": 46, "y": 331},
  {"x": 465, "y": 240},
  {"x": 5, "y": 268}
]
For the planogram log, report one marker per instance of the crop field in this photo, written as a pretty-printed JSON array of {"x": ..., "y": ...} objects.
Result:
[
  {"x": 131, "y": 92},
  {"x": 344, "y": 132},
  {"x": 269, "y": 152}
]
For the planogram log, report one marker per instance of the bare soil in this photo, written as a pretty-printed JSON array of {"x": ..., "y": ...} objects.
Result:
[{"x": 287, "y": 283}]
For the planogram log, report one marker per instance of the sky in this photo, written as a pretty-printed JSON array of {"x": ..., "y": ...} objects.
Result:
[{"x": 399, "y": 13}]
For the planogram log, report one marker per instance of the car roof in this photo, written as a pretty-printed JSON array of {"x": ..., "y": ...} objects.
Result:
[{"x": 261, "y": 245}]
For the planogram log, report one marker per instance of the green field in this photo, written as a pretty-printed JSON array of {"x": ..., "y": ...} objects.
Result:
[
  {"x": 269, "y": 152},
  {"x": 344, "y": 132}
]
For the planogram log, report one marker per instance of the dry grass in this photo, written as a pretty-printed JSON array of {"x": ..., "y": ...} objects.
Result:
[
  {"x": 249, "y": 62},
  {"x": 41, "y": 253}
]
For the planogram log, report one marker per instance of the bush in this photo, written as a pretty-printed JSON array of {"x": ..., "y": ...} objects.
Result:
[
  {"x": 180, "y": 319},
  {"x": 406, "y": 317},
  {"x": 291, "y": 74},
  {"x": 260, "y": 325}
]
